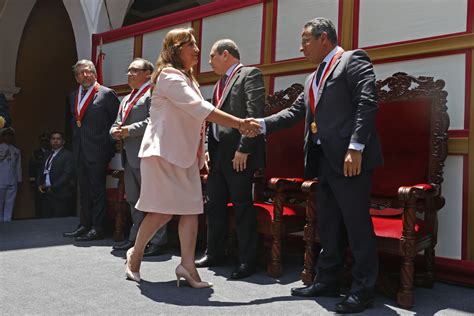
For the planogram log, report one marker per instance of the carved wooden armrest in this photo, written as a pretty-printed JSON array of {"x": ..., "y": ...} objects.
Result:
[
  {"x": 421, "y": 197},
  {"x": 285, "y": 184},
  {"x": 417, "y": 192},
  {"x": 309, "y": 186}
]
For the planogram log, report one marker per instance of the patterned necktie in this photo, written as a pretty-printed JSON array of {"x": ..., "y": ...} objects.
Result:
[{"x": 320, "y": 72}]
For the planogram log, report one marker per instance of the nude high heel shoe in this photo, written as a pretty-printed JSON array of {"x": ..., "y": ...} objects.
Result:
[
  {"x": 181, "y": 272},
  {"x": 129, "y": 274}
]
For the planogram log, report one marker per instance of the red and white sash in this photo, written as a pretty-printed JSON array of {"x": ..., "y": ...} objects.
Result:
[
  {"x": 84, "y": 103},
  {"x": 128, "y": 104},
  {"x": 313, "y": 95},
  {"x": 217, "y": 96}
]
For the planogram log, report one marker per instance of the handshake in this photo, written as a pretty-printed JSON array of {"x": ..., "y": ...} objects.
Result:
[{"x": 249, "y": 127}]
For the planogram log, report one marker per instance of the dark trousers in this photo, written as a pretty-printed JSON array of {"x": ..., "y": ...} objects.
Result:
[
  {"x": 227, "y": 185},
  {"x": 91, "y": 178},
  {"x": 343, "y": 216},
  {"x": 54, "y": 206}
]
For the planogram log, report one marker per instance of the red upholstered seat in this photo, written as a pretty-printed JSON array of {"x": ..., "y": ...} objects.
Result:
[
  {"x": 389, "y": 227},
  {"x": 265, "y": 212}
]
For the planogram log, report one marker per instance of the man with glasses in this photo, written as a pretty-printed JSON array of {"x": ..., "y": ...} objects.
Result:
[
  {"x": 128, "y": 129},
  {"x": 94, "y": 109}
]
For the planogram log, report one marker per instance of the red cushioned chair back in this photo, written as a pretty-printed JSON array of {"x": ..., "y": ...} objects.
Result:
[
  {"x": 405, "y": 129},
  {"x": 413, "y": 126},
  {"x": 284, "y": 149}
]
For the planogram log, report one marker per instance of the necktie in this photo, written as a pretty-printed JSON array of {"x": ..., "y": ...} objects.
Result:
[
  {"x": 134, "y": 91},
  {"x": 49, "y": 161},
  {"x": 320, "y": 72},
  {"x": 222, "y": 84},
  {"x": 83, "y": 93}
]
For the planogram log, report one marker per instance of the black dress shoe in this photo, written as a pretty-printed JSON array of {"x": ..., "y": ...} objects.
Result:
[
  {"x": 242, "y": 271},
  {"x": 208, "y": 261},
  {"x": 81, "y": 230},
  {"x": 91, "y": 235},
  {"x": 316, "y": 289},
  {"x": 124, "y": 246},
  {"x": 354, "y": 303},
  {"x": 154, "y": 250}
]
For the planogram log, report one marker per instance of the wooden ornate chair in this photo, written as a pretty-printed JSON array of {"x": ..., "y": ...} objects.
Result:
[
  {"x": 412, "y": 123},
  {"x": 117, "y": 206},
  {"x": 280, "y": 182}
]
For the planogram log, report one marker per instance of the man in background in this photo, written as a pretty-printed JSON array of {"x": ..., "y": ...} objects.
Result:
[
  {"x": 94, "y": 109},
  {"x": 55, "y": 180},
  {"x": 128, "y": 129}
]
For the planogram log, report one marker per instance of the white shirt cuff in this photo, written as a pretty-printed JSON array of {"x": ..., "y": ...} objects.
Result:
[
  {"x": 357, "y": 146},
  {"x": 263, "y": 127}
]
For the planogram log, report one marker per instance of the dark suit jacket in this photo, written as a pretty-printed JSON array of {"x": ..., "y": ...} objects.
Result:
[
  {"x": 345, "y": 113},
  {"x": 243, "y": 97},
  {"x": 91, "y": 142},
  {"x": 61, "y": 174}
]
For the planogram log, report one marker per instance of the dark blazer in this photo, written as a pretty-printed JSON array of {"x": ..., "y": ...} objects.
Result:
[
  {"x": 345, "y": 112},
  {"x": 243, "y": 97},
  {"x": 61, "y": 174},
  {"x": 92, "y": 141}
]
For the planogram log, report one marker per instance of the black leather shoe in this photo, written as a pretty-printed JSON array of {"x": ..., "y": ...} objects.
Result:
[
  {"x": 81, "y": 230},
  {"x": 354, "y": 303},
  {"x": 316, "y": 289},
  {"x": 242, "y": 271},
  {"x": 208, "y": 261},
  {"x": 124, "y": 246},
  {"x": 91, "y": 235},
  {"x": 154, "y": 250}
]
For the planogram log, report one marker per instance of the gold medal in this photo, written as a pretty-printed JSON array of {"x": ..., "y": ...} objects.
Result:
[
  {"x": 78, "y": 123},
  {"x": 314, "y": 127}
]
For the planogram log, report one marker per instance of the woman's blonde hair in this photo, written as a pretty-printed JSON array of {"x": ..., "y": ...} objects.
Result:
[{"x": 170, "y": 52}]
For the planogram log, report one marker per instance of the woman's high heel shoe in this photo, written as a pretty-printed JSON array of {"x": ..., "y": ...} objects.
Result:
[
  {"x": 181, "y": 272},
  {"x": 129, "y": 274}
]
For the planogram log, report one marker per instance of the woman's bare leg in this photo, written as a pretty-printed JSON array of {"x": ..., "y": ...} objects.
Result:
[
  {"x": 188, "y": 229},
  {"x": 148, "y": 227}
]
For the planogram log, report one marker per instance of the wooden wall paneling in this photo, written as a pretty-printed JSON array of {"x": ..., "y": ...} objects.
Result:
[{"x": 347, "y": 26}]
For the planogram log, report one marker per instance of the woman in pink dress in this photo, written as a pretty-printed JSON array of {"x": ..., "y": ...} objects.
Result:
[{"x": 172, "y": 153}]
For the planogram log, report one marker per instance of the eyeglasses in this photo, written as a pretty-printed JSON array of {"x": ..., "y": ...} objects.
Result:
[
  {"x": 305, "y": 40},
  {"x": 134, "y": 71}
]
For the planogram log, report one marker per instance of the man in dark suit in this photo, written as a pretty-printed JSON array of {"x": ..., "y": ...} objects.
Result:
[
  {"x": 129, "y": 127},
  {"x": 233, "y": 159},
  {"x": 55, "y": 180},
  {"x": 94, "y": 108},
  {"x": 342, "y": 149}
]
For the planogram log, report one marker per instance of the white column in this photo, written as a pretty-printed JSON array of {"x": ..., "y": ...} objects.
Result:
[
  {"x": 90, "y": 16},
  {"x": 13, "y": 17}
]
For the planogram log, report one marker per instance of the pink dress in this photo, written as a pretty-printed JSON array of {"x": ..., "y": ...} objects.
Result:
[{"x": 172, "y": 149}]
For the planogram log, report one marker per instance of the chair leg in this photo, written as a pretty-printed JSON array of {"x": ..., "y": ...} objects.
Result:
[
  {"x": 405, "y": 294},
  {"x": 274, "y": 268},
  {"x": 120, "y": 218},
  {"x": 307, "y": 275}
]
